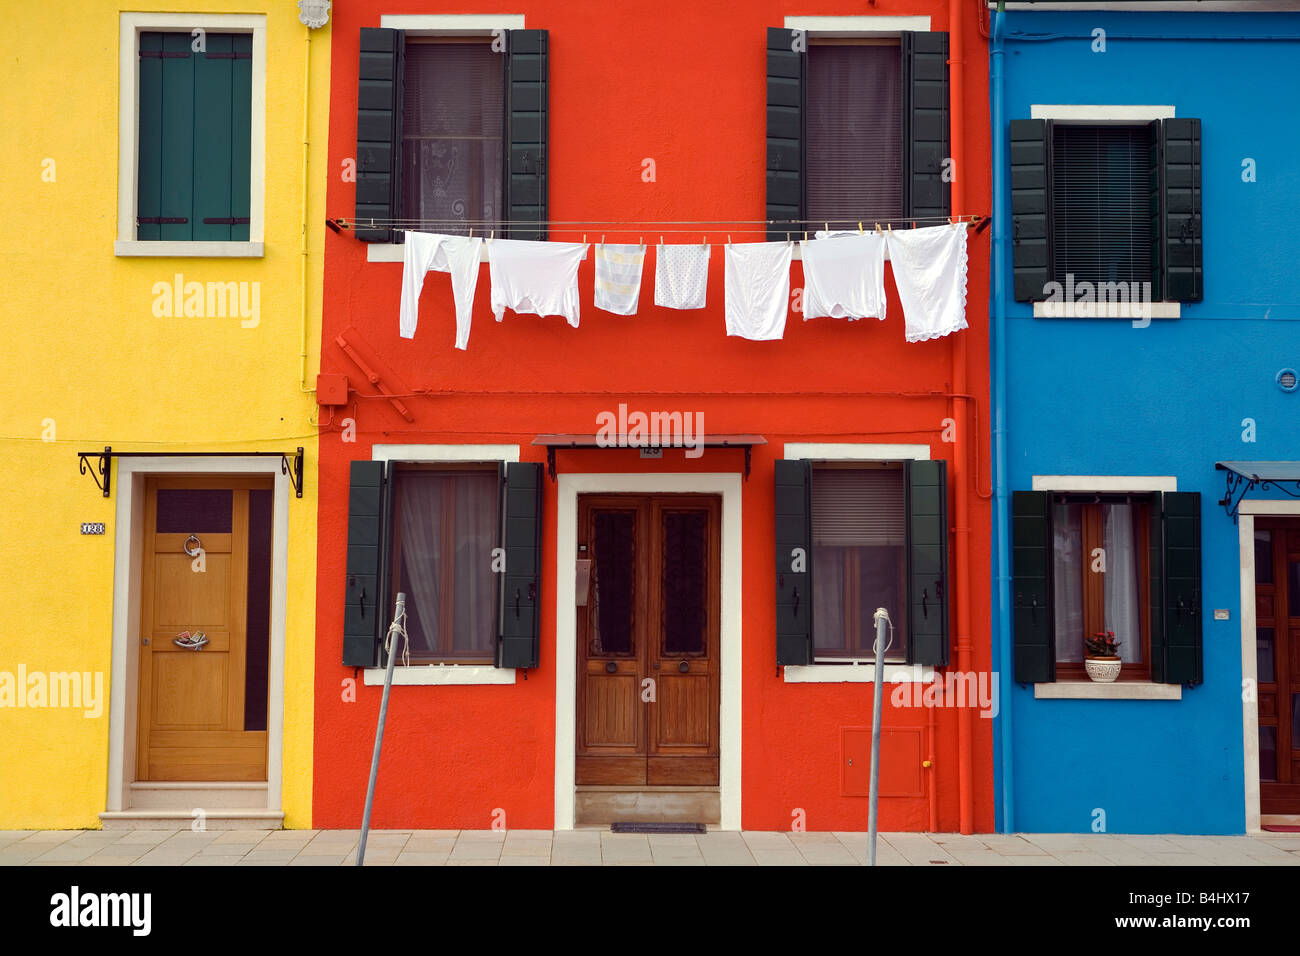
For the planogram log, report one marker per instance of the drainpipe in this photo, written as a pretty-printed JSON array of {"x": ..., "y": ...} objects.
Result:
[
  {"x": 306, "y": 101},
  {"x": 1002, "y": 618},
  {"x": 965, "y": 445}
]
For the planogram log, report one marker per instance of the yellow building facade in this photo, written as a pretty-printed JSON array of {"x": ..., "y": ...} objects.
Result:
[{"x": 166, "y": 175}]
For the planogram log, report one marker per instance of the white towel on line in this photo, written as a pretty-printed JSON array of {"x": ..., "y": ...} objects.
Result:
[
  {"x": 618, "y": 277},
  {"x": 540, "y": 278},
  {"x": 844, "y": 277},
  {"x": 757, "y": 289},
  {"x": 681, "y": 276},
  {"x": 930, "y": 272},
  {"x": 424, "y": 252}
]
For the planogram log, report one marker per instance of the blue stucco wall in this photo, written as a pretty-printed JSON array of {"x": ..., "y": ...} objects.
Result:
[{"x": 1098, "y": 397}]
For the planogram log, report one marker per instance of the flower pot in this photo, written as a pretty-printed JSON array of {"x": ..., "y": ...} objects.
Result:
[{"x": 1102, "y": 670}]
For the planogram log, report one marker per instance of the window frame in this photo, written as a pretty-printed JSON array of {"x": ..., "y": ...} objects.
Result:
[{"x": 130, "y": 27}]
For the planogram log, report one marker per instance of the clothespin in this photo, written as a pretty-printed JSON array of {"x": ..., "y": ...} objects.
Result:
[
  {"x": 859, "y": 229},
  {"x": 890, "y": 227},
  {"x": 878, "y": 229},
  {"x": 493, "y": 236},
  {"x": 661, "y": 240},
  {"x": 805, "y": 236},
  {"x": 471, "y": 232},
  {"x": 704, "y": 241},
  {"x": 787, "y": 235},
  {"x": 827, "y": 225},
  {"x": 584, "y": 238},
  {"x": 602, "y": 238}
]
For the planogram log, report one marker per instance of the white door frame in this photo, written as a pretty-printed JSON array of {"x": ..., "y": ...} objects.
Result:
[
  {"x": 128, "y": 552},
  {"x": 1250, "y": 702},
  {"x": 569, "y": 487}
]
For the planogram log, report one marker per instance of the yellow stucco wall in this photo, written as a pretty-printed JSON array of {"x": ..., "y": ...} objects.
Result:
[{"x": 89, "y": 364}]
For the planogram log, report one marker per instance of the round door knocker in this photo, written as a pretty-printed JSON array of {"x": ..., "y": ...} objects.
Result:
[{"x": 198, "y": 546}]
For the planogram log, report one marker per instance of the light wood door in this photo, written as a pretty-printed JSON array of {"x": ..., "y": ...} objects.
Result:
[
  {"x": 648, "y": 690},
  {"x": 194, "y": 724},
  {"x": 1277, "y": 662}
]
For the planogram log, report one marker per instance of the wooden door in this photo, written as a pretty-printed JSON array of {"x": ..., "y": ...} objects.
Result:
[
  {"x": 1277, "y": 648},
  {"x": 648, "y": 633},
  {"x": 202, "y": 712}
]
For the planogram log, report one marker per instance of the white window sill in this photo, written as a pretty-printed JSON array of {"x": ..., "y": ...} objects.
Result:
[
  {"x": 430, "y": 675},
  {"x": 204, "y": 250},
  {"x": 1107, "y": 310},
  {"x": 863, "y": 672},
  {"x": 1119, "y": 690}
]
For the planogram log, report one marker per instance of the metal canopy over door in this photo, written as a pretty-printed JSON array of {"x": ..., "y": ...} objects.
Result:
[
  {"x": 1277, "y": 648},
  {"x": 206, "y": 570},
  {"x": 648, "y": 640}
]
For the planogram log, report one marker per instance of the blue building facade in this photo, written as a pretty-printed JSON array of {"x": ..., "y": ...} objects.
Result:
[{"x": 1108, "y": 429}]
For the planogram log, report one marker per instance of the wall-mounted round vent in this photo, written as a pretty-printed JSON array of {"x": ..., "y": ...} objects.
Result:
[{"x": 1286, "y": 380}]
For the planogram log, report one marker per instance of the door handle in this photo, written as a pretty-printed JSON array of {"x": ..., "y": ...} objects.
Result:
[
  {"x": 684, "y": 667},
  {"x": 190, "y": 642},
  {"x": 198, "y": 546},
  {"x": 611, "y": 667}
]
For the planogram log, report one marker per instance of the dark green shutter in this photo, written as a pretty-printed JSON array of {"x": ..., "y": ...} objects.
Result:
[
  {"x": 379, "y": 132},
  {"x": 527, "y": 70},
  {"x": 1178, "y": 661},
  {"x": 925, "y": 125},
  {"x": 1031, "y": 562},
  {"x": 150, "y": 161},
  {"x": 1030, "y": 208},
  {"x": 519, "y": 629},
  {"x": 241, "y": 131},
  {"x": 787, "y": 67},
  {"x": 363, "y": 603},
  {"x": 794, "y": 603},
  {"x": 1180, "y": 151},
  {"x": 927, "y": 562}
]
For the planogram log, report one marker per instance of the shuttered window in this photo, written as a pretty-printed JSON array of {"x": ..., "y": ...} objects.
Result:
[
  {"x": 1101, "y": 217},
  {"x": 855, "y": 131},
  {"x": 452, "y": 134}
]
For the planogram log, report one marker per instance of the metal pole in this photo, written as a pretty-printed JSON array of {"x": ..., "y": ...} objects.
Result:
[
  {"x": 881, "y": 618},
  {"x": 379, "y": 734}
]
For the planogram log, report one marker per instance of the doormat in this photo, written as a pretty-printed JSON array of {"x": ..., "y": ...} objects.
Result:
[
  {"x": 634, "y": 827},
  {"x": 1281, "y": 828}
]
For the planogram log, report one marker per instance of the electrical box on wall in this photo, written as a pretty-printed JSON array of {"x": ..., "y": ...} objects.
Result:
[{"x": 331, "y": 389}]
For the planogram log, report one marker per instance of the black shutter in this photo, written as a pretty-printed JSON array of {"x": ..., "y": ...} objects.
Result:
[
  {"x": 1156, "y": 582},
  {"x": 926, "y": 488},
  {"x": 1032, "y": 613},
  {"x": 925, "y": 125},
  {"x": 1030, "y": 208},
  {"x": 1180, "y": 152},
  {"x": 526, "y": 132},
  {"x": 362, "y": 602},
  {"x": 1155, "y": 205},
  {"x": 379, "y": 133},
  {"x": 794, "y": 604},
  {"x": 519, "y": 627},
  {"x": 787, "y": 67},
  {"x": 1178, "y": 661}
]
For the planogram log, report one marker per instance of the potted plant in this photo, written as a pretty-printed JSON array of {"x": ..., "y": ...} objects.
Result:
[{"x": 1102, "y": 657}]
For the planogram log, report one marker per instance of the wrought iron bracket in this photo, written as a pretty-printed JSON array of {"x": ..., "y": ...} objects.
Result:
[
  {"x": 103, "y": 466},
  {"x": 294, "y": 473},
  {"x": 1238, "y": 486}
]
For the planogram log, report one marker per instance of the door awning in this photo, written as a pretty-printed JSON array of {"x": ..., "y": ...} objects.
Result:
[
  {"x": 1245, "y": 476},
  {"x": 554, "y": 442}
]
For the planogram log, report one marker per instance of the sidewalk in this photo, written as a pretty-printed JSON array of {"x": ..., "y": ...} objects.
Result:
[{"x": 602, "y": 848}]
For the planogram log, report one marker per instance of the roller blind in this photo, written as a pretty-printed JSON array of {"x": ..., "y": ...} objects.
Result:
[{"x": 856, "y": 507}]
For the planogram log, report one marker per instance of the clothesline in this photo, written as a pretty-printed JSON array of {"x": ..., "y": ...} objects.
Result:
[{"x": 643, "y": 226}]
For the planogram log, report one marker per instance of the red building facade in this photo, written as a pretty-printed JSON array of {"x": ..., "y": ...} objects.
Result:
[{"x": 607, "y": 635}]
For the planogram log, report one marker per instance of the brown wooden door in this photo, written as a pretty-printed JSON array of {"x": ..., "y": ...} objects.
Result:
[
  {"x": 648, "y": 691},
  {"x": 196, "y": 722},
  {"x": 1277, "y": 647}
]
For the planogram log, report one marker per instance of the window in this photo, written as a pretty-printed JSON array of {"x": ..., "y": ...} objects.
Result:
[
  {"x": 855, "y": 130},
  {"x": 195, "y": 127},
  {"x": 452, "y": 132},
  {"x": 859, "y": 559},
  {"x": 445, "y": 526},
  {"x": 1100, "y": 576}
]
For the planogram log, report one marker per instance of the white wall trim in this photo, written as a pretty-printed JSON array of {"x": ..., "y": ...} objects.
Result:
[
  {"x": 569, "y": 486},
  {"x": 1119, "y": 690},
  {"x": 128, "y": 475},
  {"x": 179, "y": 249},
  {"x": 1105, "y": 483},
  {"x": 452, "y": 24},
  {"x": 855, "y": 451},
  {"x": 130, "y": 25},
  {"x": 1249, "y": 669},
  {"x": 1100, "y": 113},
  {"x": 860, "y": 673},
  {"x": 441, "y": 675},
  {"x": 1108, "y": 310},
  {"x": 857, "y": 26},
  {"x": 1263, "y": 506},
  {"x": 444, "y": 453}
]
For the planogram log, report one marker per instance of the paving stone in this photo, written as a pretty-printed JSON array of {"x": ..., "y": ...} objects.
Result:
[
  {"x": 779, "y": 858},
  {"x": 407, "y": 858},
  {"x": 303, "y": 860}
]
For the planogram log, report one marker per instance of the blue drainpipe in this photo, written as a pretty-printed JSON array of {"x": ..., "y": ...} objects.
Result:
[{"x": 1001, "y": 542}]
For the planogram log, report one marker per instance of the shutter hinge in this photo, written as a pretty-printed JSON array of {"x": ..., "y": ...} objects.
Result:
[
  {"x": 225, "y": 221},
  {"x": 229, "y": 56},
  {"x": 164, "y": 54},
  {"x": 161, "y": 220}
]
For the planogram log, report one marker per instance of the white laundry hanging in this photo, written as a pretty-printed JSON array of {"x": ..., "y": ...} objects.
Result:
[
  {"x": 930, "y": 272},
  {"x": 844, "y": 277},
  {"x": 539, "y": 278},
  {"x": 618, "y": 277},
  {"x": 424, "y": 252},
  {"x": 681, "y": 276},
  {"x": 757, "y": 289}
]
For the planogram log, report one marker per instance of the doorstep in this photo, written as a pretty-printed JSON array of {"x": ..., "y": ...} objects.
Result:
[{"x": 214, "y": 819}]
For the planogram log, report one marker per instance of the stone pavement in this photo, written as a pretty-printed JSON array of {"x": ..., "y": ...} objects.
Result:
[{"x": 601, "y": 848}]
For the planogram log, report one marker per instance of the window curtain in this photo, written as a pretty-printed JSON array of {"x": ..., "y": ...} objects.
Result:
[
  {"x": 419, "y": 517},
  {"x": 1067, "y": 581},
  {"x": 475, "y": 530},
  {"x": 1122, "y": 586}
]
